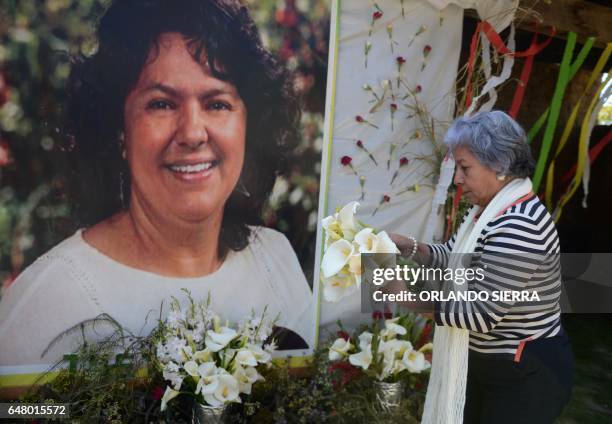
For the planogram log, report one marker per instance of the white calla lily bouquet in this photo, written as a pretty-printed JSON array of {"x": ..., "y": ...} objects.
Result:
[
  {"x": 386, "y": 354},
  {"x": 211, "y": 362},
  {"x": 346, "y": 238}
]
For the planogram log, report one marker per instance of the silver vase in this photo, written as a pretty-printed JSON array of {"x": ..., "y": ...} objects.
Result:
[
  {"x": 388, "y": 395},
  {"x": 206, "y": 414}
]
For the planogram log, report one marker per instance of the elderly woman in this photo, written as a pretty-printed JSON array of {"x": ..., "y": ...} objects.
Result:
[
  {"x": 180, "y": 123},
  {"x": 519, "y": 366}
]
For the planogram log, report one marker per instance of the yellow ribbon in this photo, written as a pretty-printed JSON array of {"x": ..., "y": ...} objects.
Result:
[
  {"x": 583, "y": 146},
  {"x": 570, "y": 123}
]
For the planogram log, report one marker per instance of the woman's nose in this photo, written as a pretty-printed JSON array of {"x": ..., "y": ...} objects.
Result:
[
  {"x": 458, "y": 179},
  {"x": 192, "y": 130}
]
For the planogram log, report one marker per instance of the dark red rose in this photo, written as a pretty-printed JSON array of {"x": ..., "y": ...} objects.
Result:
[
  {"x": 418, "y": 88},
  {"x": 377, "y": 315},
  {"x": 427, "y": 49},
  {"x": 346, "y": 160},
  {"x": 403, "y": 161},
  {"x": 359, "y": 143},
  {"x": 377, "y": 15},
  {"x": 386, "y": 198},
  {"x": 393, "y": 106},
  {"x": 359, "y": 118},
  {"x": 400, "y": 60}
]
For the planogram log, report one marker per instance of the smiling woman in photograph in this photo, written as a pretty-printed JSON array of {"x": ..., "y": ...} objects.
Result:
[{"x": 179, "y": 124}]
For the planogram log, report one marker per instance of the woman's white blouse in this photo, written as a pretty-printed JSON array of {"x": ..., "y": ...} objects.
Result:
[{"x": 74, "y": 282}]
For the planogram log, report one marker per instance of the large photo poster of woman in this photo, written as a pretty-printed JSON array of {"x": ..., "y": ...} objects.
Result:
[{"x": 151, "y": 151}]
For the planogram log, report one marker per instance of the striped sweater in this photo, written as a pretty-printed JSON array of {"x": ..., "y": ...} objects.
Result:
[{"x": 518, "y": 250}]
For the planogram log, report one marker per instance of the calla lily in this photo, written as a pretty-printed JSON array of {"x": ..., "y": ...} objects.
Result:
[
  {"x": 245, "y": 357},
  {"x": 169, "y": 394},
  {"x": 392, "y": 329},
  {"x": 333, "y": 232},
  {"x": 339, "y": 349},
  {"x": 415, "y": 361},
  {"x": 261, "y": 355},
  {"x": 354, "y": 264},
  {"x": 191, "y": 367},
  {"x": 226, "y": 391},
  {"x": 385, "y": 244},
  {"x": 246, "y": 377},
  {"x": 362, "y": 359},
  {"x": 338, "y": 286},
  {"x": 208, "y": 382},
  {"x": 217, "y": 340},
  {"x": 367, "y": 241},
  {"x": 202, "y": 355},
  {"x": 346, "y": 218},
  {"x": 336, "y": 257},
  {"x": 365, "y": 340},
  {"x": 426, "y": 347}
]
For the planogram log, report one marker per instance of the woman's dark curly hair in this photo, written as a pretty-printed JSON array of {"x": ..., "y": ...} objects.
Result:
[{"x": 99, "y": 84}]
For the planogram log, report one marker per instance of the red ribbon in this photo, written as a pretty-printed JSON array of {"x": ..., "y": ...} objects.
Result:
[
  {"x": 497, "y": 42},
  {"x": 593, "y": 154}
]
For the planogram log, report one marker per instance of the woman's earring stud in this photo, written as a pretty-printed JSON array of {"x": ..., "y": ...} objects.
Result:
[{"x": 501, "y": 178}]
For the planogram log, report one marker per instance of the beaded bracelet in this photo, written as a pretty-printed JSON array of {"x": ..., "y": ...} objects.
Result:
[{"x": 415, "y": 246}]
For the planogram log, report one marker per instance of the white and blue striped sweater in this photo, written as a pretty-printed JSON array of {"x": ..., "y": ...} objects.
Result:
[{"x": 518, "y": 250}]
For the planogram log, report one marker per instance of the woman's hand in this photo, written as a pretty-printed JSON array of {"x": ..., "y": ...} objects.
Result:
[{"x": 404, "y": 244}]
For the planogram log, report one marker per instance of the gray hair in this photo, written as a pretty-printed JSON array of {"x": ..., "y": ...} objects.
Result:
[{"x": 496, "y": 140}]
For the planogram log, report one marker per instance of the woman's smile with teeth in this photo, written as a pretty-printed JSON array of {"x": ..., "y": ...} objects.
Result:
[{"x": 199, "y": 167}]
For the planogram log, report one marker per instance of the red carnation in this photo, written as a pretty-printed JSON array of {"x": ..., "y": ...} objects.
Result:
[
  {"x": 418, "y": 88},
  {"x": 386, "y": 198},
  {"x": 344, "y": 335},
  {"x": 359, "y": 143},
  {"x": 393, "y": 107},
  {"x": 359, "y": 118},
  {"x": 377, "y": 15},
  {"x": 403, "y": 161},
  {"x": 427, "y": 49},
  {"x": 346, "y": 160},
  {"x": 400, "y": 60}
]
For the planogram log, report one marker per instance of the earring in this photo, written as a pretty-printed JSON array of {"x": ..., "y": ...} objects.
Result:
[
  {"x": 501, "y": 178},
  {"x": 240, "y": 188},
  {"x": 121, "y": 184}
]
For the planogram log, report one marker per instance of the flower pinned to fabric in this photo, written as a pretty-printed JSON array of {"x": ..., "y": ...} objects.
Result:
[
  {"x": 392, "y": 42},
  {"x": 392, "y": 109},
  {"x": 362, "y": 180},
  {"x": 361, "y": 120},
  {"x": 420, "y": 31},
  {"x": 361, "y": 146},
  {"x": 366, "y": 50},
  {"x": 348, "y": 161},
  {"x": 400, "y": 60},
  {"x": 385, "y": 199},
  {"x": 426, "y": 51},
  {"x": 418, "y": 89},
  {"x": 392, "y": 148},
  {"x": 376, "y": 15},
  {"x": 402, "y": 162},
  {"x": 414, "y": 188}
]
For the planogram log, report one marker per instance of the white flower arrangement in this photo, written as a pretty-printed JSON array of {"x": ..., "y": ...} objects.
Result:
[
  {"x": 384, "y": 354},
  {"x": 211, "y": 362},
  {"x": 345, "y": 240}
]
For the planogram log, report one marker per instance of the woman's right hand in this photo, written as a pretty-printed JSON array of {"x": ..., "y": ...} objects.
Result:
[{"x": 404, "y": 244}]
